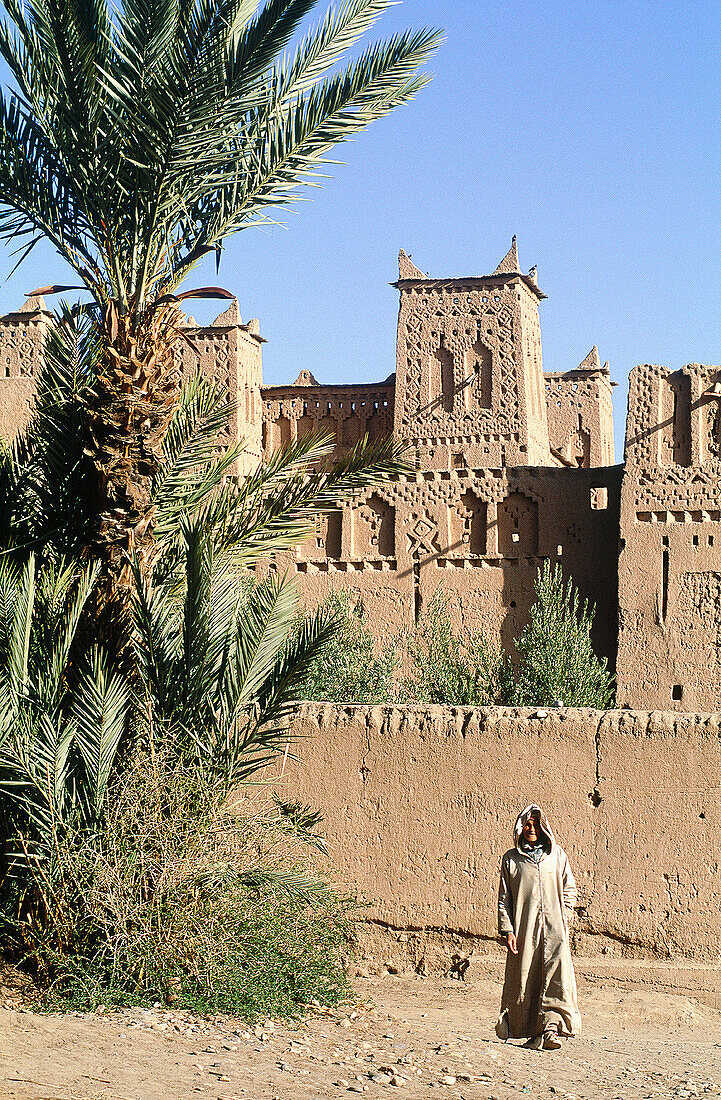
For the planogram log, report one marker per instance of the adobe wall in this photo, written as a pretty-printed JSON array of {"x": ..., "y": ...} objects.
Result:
[
  {"x": 344, "y": 412},
  {"x": 670, "y": 561},
  {"x": 22, "y": 335},
  {"x": 580, "y": 416},
  {"x": 469, "y": 377},
  {"x": 482, "y": 534},
  {"x": 229, "y": 353},
  {"x": 419, "y": 803}
]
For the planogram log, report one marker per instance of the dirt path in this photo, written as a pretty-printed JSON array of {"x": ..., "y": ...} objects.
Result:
[{"x": 416, "y": 1037}]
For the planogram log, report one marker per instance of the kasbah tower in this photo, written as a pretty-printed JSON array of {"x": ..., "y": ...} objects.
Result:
[{"x": 512, "y": 466}]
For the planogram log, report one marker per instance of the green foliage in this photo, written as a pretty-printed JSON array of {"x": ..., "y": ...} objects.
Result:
[
  {"x": 557, "y": 661},
  {"x": 62, "y": 714},
  {"x": 462, "y": 670},
  {"x": 124, "y": 873},
  {"x": 348, "y": 669},
  {"x": 46, "y": 497},
  {"x": 189, "y": 897},
  {"x": 218, "y": 660},
  {"x": 145, "y": 134}
]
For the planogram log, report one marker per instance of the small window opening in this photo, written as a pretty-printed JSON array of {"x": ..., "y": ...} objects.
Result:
[
  {"x": 710, "y": 540},
  {"x": 695, "y": 540},
  {"x": 677, "y": 692},
  {"x": 664, "y": 540},
  {"x": 559, "y": 550}
]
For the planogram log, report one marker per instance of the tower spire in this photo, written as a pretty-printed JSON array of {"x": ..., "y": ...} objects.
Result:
[
  {"x": 592, "y": 360},
  {"x": 407, "y": 269},
  {"x": 509, "y": 263}
]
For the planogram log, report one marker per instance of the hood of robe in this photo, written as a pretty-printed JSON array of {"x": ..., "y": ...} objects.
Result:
[{"x": 523, "y": 818}]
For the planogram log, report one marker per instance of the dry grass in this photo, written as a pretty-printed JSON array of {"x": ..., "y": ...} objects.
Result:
[{"x": 203, "y": 901}]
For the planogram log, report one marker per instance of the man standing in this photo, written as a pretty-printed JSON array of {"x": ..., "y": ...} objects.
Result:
[{"x": 535, "y": 905}]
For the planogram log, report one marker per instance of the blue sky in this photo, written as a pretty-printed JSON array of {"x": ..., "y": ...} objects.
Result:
[{"x": 590, "y": 130}]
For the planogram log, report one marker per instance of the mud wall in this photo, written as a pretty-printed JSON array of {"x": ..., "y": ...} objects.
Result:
[{"x": 419, "y": 804}]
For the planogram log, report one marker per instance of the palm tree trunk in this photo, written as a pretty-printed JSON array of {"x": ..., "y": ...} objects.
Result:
[{"x": 129, "y": 411}]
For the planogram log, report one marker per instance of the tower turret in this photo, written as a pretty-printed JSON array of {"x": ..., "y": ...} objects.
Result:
[{"x": 469, "y": 376}]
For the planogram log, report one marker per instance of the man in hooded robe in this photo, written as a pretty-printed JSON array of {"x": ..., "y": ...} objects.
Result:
[{"x": 536, "y": 897}]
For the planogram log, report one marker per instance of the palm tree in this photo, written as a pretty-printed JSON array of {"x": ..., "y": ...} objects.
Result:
[
  {"x": 216, "y": 670},
  {"x": 141, "y": 137}
]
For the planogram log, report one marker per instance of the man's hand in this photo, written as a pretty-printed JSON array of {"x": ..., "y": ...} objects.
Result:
[{"x": 511, "y": 943}]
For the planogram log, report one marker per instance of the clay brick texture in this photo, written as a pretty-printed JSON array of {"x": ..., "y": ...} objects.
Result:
[
  {"x": 511, "y": 466},
  {"x": 419, "y": 805}
]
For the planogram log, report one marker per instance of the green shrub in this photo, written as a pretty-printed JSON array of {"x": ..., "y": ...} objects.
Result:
[
  {"x": 460, "y": 670},
  {"x": 349, "y": 669},
  {"x": 189, "y": 897},
  {"x": 557, "y": 661}
]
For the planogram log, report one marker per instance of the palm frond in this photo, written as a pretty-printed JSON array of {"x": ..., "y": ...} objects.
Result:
[
  {"x": 143, "y": 135},
  {"x": 274, "y": 508},
  {"x": 100, "y": 710}
]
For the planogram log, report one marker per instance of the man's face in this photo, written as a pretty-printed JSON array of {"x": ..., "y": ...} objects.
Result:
[{"x": 531, "y": 828}]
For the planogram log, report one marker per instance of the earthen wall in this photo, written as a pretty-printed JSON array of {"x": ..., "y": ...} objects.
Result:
[
  {"x": 580, "y": 417},
  {"x": 229, "y": 353},
  {"x": 468, "y": 390},
  {"x": 22, "y": 335},
  {"x": 513, "y": 468},
  {"x": 419, "y": 804},
  {"x": 670, "y": 528},
  {"x": 480, "y": 534},
  {"x": 345, "y": 413}
]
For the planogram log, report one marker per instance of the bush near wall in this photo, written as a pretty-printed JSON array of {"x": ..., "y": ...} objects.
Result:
[{"x": 432, "y": 664}]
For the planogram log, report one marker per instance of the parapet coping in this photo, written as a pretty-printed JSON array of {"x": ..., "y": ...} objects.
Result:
[
  {"x": 524, "y": 714},
  {"x": 470, "y": 281},
  {"x": 297, "y": 390}
]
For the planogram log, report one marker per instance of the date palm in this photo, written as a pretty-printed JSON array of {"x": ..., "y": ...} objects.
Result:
[
  {"x": 142, "y": 136},
  {"x": 211, "y": 658}
]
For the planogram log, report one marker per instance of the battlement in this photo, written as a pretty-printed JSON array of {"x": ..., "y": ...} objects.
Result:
[
  {"x": 514, "y": 467},
  {"x": 345, "y": 412}
]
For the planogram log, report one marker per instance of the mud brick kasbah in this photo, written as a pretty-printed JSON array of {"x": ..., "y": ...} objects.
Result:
[{"x": 513, "y": 466}]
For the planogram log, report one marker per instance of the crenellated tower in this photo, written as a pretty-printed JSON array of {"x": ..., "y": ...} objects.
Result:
[
  {"x": 669, "y": 646},
  {"x": 469, "y": 377}
]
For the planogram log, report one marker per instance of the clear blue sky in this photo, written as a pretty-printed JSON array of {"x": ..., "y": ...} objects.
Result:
[{"x": 590, "y": 130}]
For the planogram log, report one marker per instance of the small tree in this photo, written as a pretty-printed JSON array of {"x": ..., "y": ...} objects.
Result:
[
  {"x": 348, "y": 670},
  {"x": 557, "y": 657},
  {"x": 457, "y": 670}
]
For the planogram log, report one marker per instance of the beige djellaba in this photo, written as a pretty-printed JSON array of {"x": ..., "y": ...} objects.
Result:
[{"x": 535, "y": 901}]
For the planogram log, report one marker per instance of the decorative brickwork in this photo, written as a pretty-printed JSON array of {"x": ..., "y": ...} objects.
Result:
[
  {"x": 513, "y": 466},
  {"x": 21, "y": 341},
  {"x": 670, "y": 560}
]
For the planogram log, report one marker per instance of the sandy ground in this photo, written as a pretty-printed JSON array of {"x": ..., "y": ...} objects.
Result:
[{"x": 418, "y": 1037}]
